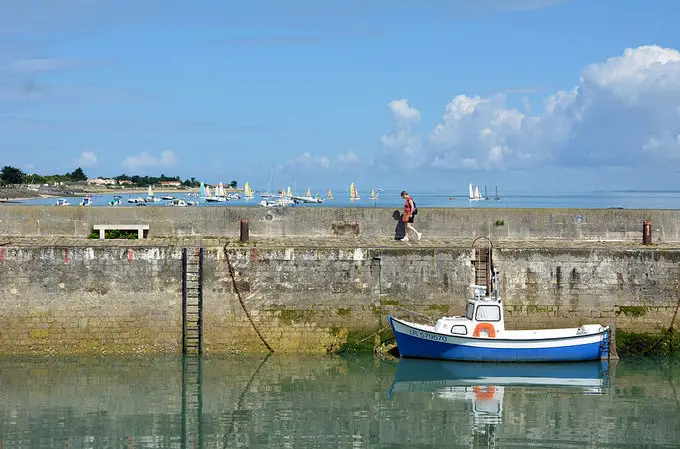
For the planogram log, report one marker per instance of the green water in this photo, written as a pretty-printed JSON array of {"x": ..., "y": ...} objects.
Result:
[{"x": 329, "y": 402}]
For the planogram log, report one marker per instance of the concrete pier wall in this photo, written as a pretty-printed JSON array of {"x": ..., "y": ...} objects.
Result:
[
  {"x": 444, "y": 223},
  {"x": 310, "y": 296}
]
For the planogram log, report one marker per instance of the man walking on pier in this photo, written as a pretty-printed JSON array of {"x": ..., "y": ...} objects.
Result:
[{"x": 410, "y": 210}]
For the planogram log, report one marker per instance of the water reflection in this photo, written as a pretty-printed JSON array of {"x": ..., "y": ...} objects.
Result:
[
  {"x": 481, "y": 387},
  {"x": 321, "y": 402}
]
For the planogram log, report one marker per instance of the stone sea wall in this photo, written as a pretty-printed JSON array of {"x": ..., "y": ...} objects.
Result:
[
  {"x": 311, "y": 295},
  {"x": 444, "y": 223}
]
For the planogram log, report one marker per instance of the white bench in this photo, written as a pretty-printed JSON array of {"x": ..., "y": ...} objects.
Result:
[{"x": 140, "y": 228}]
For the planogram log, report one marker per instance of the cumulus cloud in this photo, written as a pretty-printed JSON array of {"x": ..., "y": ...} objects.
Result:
[
  {"x": 87, "y": 159},
  {"x": 145, "y": 160},
  {"x": 349, "y": 158},
  {"x": 316, "y": 162},
  {"x": 623, "y": 111},
  {"x": 401, "y": 144}
]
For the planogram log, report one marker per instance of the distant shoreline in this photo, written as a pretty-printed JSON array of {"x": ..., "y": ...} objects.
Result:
[{"x": 17, "y": 193}]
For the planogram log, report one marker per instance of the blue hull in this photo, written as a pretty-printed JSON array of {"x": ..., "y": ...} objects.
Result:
[{"x": 412, "y": 346}]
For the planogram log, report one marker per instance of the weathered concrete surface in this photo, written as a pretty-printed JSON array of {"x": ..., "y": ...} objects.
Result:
[
  {"x": 446, "y": 223},
  {"x": 84, "y": 296}
]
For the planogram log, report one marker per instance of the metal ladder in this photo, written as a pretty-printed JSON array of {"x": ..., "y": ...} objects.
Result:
[{"x": 192, "y": 301}]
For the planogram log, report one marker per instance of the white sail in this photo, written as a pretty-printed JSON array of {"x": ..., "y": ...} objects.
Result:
[
  {"x": 471, "y": 193},
  {"x": 150, "y": 191},
  {"x": 477, "y": 195}
]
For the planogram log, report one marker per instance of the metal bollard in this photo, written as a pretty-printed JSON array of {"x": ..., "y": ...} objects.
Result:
[
  {"x": 647, "y": 232},
  {"x": 245, "y": 234}
]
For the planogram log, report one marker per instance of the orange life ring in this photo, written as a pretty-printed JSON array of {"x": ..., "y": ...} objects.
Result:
[
  {"x": 484, "y": 326},
  {"x": 485, "y": 392}
]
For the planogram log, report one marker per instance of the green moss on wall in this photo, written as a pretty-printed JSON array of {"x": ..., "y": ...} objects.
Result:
[
  {"x": 343, "y": 312},
  {"x": 633, "y": 344},
  {"x": 633, "y": 311},
  {"x": 440, "y": 309}
]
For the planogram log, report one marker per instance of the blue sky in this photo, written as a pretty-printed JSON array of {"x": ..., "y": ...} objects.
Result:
[{"x": 560, "y": 95}]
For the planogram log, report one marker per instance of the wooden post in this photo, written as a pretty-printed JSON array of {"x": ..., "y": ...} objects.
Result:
[
  {"x": 647, "y": 232},
  {"x": 245, "y": 235},
  {"x": 613, "y": 355}
]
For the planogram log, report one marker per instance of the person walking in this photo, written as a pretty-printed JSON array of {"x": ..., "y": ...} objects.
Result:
[{"x": 410, "y": 211}]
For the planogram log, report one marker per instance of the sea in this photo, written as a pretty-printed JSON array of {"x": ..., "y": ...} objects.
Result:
[
  {"x": 346, "y": 401},
  {"x": 612, "y": 199}
]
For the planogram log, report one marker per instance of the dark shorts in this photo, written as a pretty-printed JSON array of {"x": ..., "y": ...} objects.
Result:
[{"x": 410, "y": 219}]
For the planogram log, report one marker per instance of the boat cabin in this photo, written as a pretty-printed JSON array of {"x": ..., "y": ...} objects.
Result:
[
  {"x": 87, "y": 201},
  {"x": 62, "y": 202},
  {"x": 483, "y": 317}
]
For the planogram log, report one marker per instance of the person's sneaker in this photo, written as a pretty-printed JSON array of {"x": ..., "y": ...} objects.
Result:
[
  {"x": 420, "y": 234},
  {"x": 405, "y": 239}
]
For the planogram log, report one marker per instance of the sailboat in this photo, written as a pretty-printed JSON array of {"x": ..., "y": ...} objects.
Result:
[
  {"x": 497, "y": 197},
  {"x": 202, "y": 190},
  {"x": 330, "y": 195},
  {"x": 151, "y": 197},
  {"x": 473, "y": 194},
  {"x": 374, "y": 197},
  {"x": 268, "y": 194},
  {"x": 248, "y": 192},
  {"x": 353, "y": 193}
]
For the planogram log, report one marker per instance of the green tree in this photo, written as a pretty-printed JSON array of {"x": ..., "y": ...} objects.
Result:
[
  {"x": 78, "y": 175},
  {"x": 11, "y": 175},
  {"x": 233, "y": 184}
]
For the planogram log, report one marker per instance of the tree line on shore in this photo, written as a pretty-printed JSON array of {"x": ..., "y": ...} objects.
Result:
[{"x": 10, "y": 175}]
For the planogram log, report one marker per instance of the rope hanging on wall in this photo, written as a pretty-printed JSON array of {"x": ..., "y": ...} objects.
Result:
[{"x": 232, "y": 274}]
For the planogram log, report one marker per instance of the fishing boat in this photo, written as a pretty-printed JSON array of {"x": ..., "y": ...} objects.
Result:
[
  {"x": 177, "y": 203},
  {"x": 115, "y": 201},
  {"x": 86, "y": 201},
  {"x": 480, "y": 335},
  {"x": 62, "y": 202},
  {"x": 353, "y": 193},
  {"x": 167, "y": 197},
  {"x": 248, "y": 192}
]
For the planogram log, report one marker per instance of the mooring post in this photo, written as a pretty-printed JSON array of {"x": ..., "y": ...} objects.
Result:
[
  {"x": 613, "y": 355},
  {"x": 245, "y": 235},
  {"x": 647, "y": 232}
]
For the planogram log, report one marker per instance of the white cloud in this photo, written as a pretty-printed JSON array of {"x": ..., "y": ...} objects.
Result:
[
  {"x": 623, "y": 111},
  {"x": 401, "y": 145},
  {"x": 144, "y": 160},
  {"x": 348, "y": 158},
  {"x": 86, "y": 159}
]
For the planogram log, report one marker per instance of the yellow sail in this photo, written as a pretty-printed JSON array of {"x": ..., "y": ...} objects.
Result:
[
  {"x": 247, "y": 191},
  {"x": 373, "y": 195},
  {"x": 330, "y": 194},
  {"x": 309, "y": 192},
  {"x": 353, "y": 193}
]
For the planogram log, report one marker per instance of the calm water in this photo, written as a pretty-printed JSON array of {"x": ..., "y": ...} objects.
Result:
[
  {"x": 427, "y": 198},
  {"x": 328, "y": 402}
]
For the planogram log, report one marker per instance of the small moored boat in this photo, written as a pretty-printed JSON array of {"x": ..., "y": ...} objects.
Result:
[
  {"x": 480, "y": 335},
  {"x": 62, "y": 202}
]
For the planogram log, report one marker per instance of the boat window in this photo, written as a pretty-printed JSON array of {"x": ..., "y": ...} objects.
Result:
[
  {"x": 488, "y": 313},
  {"x": 470, "y": 309},
  {"x": 459, "y": 329}
]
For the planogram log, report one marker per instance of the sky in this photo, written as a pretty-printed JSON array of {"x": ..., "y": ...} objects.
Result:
[{"x": 540, "y": 95}]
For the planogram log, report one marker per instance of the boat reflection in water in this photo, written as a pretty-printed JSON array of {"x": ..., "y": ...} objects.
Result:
[{"x": 482, "y": 386}]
